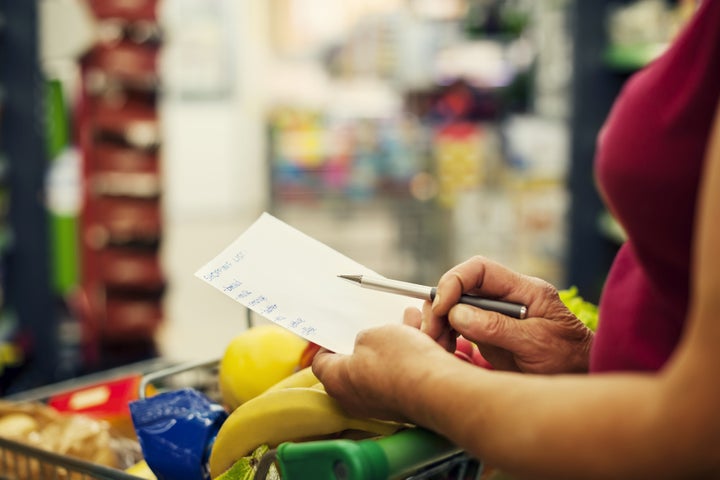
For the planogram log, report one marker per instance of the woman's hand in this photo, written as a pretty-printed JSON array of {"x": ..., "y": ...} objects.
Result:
[
  {"x": 550, "y": 340},
  {"x": 387, "y": 362}
]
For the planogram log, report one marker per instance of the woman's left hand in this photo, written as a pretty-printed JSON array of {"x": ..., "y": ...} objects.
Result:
[{"x": 386, "y": 363}]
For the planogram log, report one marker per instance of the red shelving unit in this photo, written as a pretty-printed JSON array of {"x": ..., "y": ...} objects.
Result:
[{"x": 122, "y": 280}]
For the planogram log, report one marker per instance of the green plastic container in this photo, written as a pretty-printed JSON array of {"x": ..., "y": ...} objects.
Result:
[{"x": 397, "y": 456}]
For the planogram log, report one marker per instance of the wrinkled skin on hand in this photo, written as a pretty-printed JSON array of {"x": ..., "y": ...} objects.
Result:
[
  {"x": 387, "y": 361},
  {"x": 550, "y": 340}
]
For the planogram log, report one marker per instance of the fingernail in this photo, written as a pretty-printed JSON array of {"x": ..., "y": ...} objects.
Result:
[
  {"x": 424, "y": 324},
  {"x": 436, "y": 301}
]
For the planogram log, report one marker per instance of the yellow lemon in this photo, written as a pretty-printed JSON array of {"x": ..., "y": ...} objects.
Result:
[{"x": 256, "y": 359}]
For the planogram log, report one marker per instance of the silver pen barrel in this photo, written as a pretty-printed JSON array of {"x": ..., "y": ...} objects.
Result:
[
  {"x": 422, "y": 292},
  {"x": 395, "y": 286}
]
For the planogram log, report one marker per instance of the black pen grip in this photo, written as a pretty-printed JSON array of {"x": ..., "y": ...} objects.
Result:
[{"x": 510, "y": 309}]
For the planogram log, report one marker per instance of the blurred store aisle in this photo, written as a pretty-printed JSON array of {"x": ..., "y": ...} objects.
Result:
[
  {"x": 199, "y": 321},
  {"x": 395, "y": 150}
]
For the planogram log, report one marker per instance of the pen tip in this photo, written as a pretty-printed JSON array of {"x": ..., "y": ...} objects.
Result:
[{"x": 352, "y": 278}]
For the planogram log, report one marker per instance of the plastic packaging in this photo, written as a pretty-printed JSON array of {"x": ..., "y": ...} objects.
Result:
[{"x": 176, "y": 430}]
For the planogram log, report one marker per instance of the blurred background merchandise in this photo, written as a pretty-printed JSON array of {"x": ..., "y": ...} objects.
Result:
[{"x": 407, "y": 134}]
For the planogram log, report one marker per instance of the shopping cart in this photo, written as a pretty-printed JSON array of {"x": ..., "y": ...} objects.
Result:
[
  {"x": 23, "y": 462},
  {"x": 409, "y": 454}
]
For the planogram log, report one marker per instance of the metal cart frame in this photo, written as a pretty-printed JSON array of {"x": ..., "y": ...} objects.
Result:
[
  {"x": 19, "y": 461},
  {"x": 431, "y": 459}
]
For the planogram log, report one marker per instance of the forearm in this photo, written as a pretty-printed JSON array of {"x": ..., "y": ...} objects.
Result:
[{"x": 552, "y": 427}]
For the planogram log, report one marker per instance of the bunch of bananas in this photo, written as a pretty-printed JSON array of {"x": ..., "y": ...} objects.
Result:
[
  {"x": 246, "y": 468},
  {"x": 295, "y": 408}
]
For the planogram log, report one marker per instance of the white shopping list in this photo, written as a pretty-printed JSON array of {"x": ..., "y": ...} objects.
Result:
[{"x": 292, "y": 280}]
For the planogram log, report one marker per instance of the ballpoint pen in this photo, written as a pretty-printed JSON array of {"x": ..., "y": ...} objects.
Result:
[{"x": 428, "y": 293}]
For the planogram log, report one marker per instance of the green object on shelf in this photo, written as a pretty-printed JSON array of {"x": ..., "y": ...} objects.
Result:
[
  {"x": 388, "y": 457},
  {"x": 632, "y": 57},
  {"x": 63, "y": 223},
  {"x": 58, "y": 128},
  {"x": 64, "y": 252}
]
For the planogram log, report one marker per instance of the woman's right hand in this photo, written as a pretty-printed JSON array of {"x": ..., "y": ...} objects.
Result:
[{"x": 550, "y": 340}]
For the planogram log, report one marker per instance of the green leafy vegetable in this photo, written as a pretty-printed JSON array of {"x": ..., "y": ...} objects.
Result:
[{"x": 586, "y": 311}]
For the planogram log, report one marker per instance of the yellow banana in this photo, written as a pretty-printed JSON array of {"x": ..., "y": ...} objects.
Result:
[
  {"x": 301, "y": 378},
  {"x": 282, "y": 415},
  {"x": 142, "y": 470}
]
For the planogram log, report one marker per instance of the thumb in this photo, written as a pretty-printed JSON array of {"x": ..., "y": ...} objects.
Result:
[
  {"x": 485, "y": 327},
  {"x": 323, "y": 362}
]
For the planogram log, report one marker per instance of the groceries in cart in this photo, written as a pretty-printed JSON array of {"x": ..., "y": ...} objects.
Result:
[
  {"x": 271, "y": 419},
  {"x": 258, "y": 412},
  {"x": 77, "y": 436}
]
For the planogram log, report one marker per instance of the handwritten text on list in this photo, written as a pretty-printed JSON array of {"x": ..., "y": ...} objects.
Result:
[{"x": 292, "y": 280}]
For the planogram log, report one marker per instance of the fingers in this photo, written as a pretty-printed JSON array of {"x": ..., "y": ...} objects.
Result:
[
  {"x": 412, "y": 317},
  {"x": 437, "y": 328},
  {"x": 495, "y": 335},
  {"x": 481, "y": 276},
  {"x": 323, "y": 364},
  {"x": 448, "y": 340},
  {"x": 432, "y": 325},
  {"x": 484, "y": 327},
  {"x": 334, "y": 371}
]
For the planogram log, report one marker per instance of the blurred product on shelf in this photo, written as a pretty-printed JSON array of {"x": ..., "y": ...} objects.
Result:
[
  {"x": 421, "y": 159},
  {"x": 484, "y": 18},
  {"x": 104, "y": 400},
  {"x": 129, "y": 11},
  {"x": 647, "y": 22},
  {"x": 459, "y": 160},
  {"x": 124, "y": 220},
  {"x": 123, "y": 64},
  {"x": 122, "y": 279},
  {"x": 316, "y": 156},
  {"x": 133, "y": 315},
  {"x": 640, "y": 31}
]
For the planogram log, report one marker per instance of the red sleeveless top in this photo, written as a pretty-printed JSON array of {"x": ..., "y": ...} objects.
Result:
[{"x": 649, "y": 161}]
